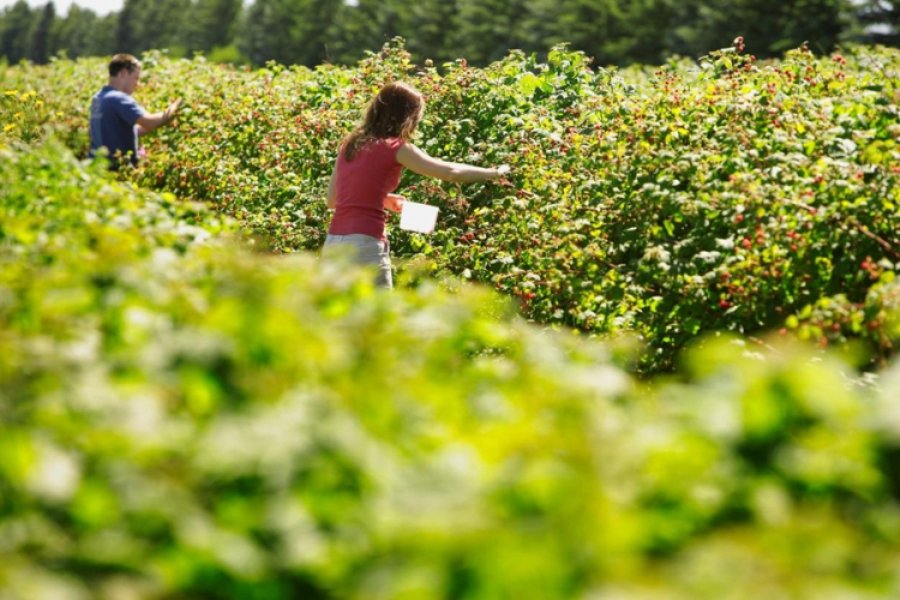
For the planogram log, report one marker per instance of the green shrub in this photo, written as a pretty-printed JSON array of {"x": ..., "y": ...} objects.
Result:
[{"x": 183, "y": 418}]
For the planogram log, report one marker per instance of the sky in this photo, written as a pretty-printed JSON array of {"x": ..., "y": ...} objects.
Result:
[{"x": 101, "y": 7}]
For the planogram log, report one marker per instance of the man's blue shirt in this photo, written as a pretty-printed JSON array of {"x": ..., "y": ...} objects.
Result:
[{"x": 113, "y": 122}]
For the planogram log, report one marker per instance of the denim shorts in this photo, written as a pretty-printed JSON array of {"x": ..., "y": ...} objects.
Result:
[{"x": 364, "y": 250}]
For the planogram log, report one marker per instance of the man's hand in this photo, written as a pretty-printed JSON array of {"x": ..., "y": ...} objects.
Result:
[
  {"x": 148, "y": 123},
  {"x": 172, "y": 110}
]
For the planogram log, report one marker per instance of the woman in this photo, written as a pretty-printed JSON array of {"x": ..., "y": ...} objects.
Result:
[{"x": 368, "y": 169}]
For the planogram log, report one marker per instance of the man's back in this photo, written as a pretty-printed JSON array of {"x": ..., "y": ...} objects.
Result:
[{"x": 113, "y": 118}]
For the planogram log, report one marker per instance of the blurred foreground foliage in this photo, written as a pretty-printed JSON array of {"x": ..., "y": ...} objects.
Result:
[{"x": 185, "y": 419}]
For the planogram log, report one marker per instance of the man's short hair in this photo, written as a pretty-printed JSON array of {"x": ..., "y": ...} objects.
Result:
[{"x": 123, "y": 61}]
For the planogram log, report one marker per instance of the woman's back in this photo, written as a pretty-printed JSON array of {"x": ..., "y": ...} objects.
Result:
[{"x": 361, "y": 186}]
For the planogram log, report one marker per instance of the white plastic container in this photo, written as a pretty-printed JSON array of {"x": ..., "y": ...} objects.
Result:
[{"x": 418, "y": 217}]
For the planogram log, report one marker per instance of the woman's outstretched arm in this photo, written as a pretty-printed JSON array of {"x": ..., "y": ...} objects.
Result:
[{"x": 420, "y": 162}]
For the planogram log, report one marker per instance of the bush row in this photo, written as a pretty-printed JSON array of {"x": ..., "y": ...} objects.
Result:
[{"x": 669, "y": 202}]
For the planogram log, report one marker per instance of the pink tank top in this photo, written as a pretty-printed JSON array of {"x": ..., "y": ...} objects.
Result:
[{"x": 361, "y": 187}]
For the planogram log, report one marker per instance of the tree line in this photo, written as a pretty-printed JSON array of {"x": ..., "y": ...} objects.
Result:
[{"x": 310, "y": 32}]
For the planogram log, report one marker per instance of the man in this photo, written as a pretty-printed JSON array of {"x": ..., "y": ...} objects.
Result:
[{"x": 117, "y": 119}]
